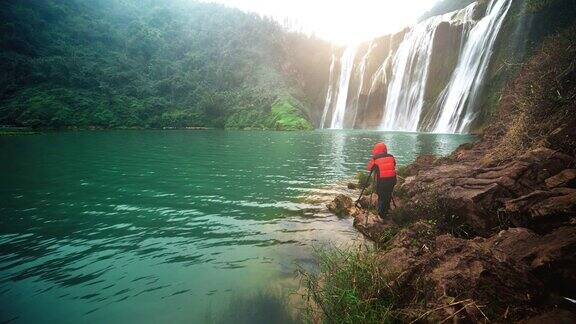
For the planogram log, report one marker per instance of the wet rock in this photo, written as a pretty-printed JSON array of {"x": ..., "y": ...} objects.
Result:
[
  {"x": 566, "y": 178},
  {"x": 352, "y": 185},
  {"x": 342, "y": 205}
]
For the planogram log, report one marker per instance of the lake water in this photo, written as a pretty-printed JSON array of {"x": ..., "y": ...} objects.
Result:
[{"x": 173, "y": 226}]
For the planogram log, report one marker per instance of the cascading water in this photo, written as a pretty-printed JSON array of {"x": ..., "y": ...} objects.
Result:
[
  {"x": 457, "y": 101},
  {"x": 347, "y": 65},
  {"x": 410, "y": 72},
  {"x": 405, "y": 86},
  {"x": 329, "y": 93},
  {"x": 406, "y": 90},
  {"x": 361, "y": 72}
]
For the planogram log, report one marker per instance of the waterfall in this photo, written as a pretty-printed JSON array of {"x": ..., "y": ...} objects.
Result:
[
  {"x": 457, "y": 101},
  {"x": 347, "y": 65},
  {"x": 406, "y": 90},
  {"x": 409, "y": 75},
  {"x": 329, "y": 93},
  {"x": 414, "y": 95},
  {"x": 381, "y": 74},
  {"x": 362, "y": 72}
]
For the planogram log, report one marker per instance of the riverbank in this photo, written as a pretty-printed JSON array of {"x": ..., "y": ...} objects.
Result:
[{"x": 485, "y": 234}]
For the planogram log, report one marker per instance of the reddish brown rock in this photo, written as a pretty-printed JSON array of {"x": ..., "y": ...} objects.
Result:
[
  {"x": 448, "y": 270},
  {"x": 475, "y": 192},
  {"x": 566, "y": 178},
  {"x": 554, "y": 205},
  {"x": 373, "y": 227},
  {"x": 550, "y": 257},
  {"x": 422, "y": 162},
  {"x": 369, "y": 201}
]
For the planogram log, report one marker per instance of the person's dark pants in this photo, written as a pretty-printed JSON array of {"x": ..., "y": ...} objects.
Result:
[{"x": 384, "y": 189}]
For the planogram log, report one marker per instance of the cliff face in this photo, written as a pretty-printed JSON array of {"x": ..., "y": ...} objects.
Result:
[{"x": 431, "y": 92}]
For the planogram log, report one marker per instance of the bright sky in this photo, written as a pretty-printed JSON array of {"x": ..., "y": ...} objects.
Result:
[{"x": 339, "y": 21}]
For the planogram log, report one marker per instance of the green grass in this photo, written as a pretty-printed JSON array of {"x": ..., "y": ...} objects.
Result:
[
  {"x": 351, "y": 287},
  {"x": 362, "y": 178}
]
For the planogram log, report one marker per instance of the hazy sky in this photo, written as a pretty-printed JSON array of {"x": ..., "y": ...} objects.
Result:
[{"x": 340, "y": 21}]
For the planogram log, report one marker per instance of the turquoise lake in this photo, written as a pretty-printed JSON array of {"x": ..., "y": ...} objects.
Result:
[{"x": 173, "y": 226}]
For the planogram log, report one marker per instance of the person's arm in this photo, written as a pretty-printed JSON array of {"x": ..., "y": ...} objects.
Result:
[{"x": 370, "y": 165}]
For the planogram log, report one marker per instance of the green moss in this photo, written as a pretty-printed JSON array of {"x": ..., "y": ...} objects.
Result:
[
  {"x": 287, "y": 115},
  {"x": 283, "y": 114}
]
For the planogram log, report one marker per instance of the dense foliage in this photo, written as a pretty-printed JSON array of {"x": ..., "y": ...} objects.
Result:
[{"x": 152, "y": 63}]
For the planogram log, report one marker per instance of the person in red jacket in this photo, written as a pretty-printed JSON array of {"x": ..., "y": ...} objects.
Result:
[{"x": 384, "y": 166}]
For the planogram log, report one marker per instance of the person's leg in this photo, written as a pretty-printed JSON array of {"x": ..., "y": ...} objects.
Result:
[
  {"x": 381, "y": 192},
  {"x": 386, "y": 199},
  {"x": 387, "y": 190}
]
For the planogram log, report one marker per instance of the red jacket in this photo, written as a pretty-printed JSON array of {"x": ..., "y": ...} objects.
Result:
[{"x": 385, "y": 163}]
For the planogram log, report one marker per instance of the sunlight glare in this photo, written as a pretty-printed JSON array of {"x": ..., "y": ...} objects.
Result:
[{"x": 343, "y": 22}]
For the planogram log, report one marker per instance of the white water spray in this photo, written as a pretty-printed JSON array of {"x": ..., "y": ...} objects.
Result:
[
  {"x": 347, "y": 64},
  {"x": 329, "y": 93}
]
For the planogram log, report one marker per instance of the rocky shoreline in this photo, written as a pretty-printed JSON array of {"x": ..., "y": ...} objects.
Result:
[
  {"x": 489, "y": 232},
  {"x": 502, "y": 237}
]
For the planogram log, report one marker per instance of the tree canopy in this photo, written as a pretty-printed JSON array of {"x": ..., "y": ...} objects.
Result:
[{"x": 152, "y": 63}]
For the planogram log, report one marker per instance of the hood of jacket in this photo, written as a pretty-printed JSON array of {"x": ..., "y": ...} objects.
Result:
[{"x": 379, "y": 148}]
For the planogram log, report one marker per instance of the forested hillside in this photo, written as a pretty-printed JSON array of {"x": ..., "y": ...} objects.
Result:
[{"x": 133, "y": 63}]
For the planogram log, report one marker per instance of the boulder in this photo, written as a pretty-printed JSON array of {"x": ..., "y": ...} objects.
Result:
[{"x": 342, "y": 205}]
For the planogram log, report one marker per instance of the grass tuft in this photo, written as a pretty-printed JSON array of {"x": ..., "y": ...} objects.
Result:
[{"x": 351, "y": 287}]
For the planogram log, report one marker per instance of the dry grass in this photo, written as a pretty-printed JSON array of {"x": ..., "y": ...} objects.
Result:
[{"x": 538, "y": 108}]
